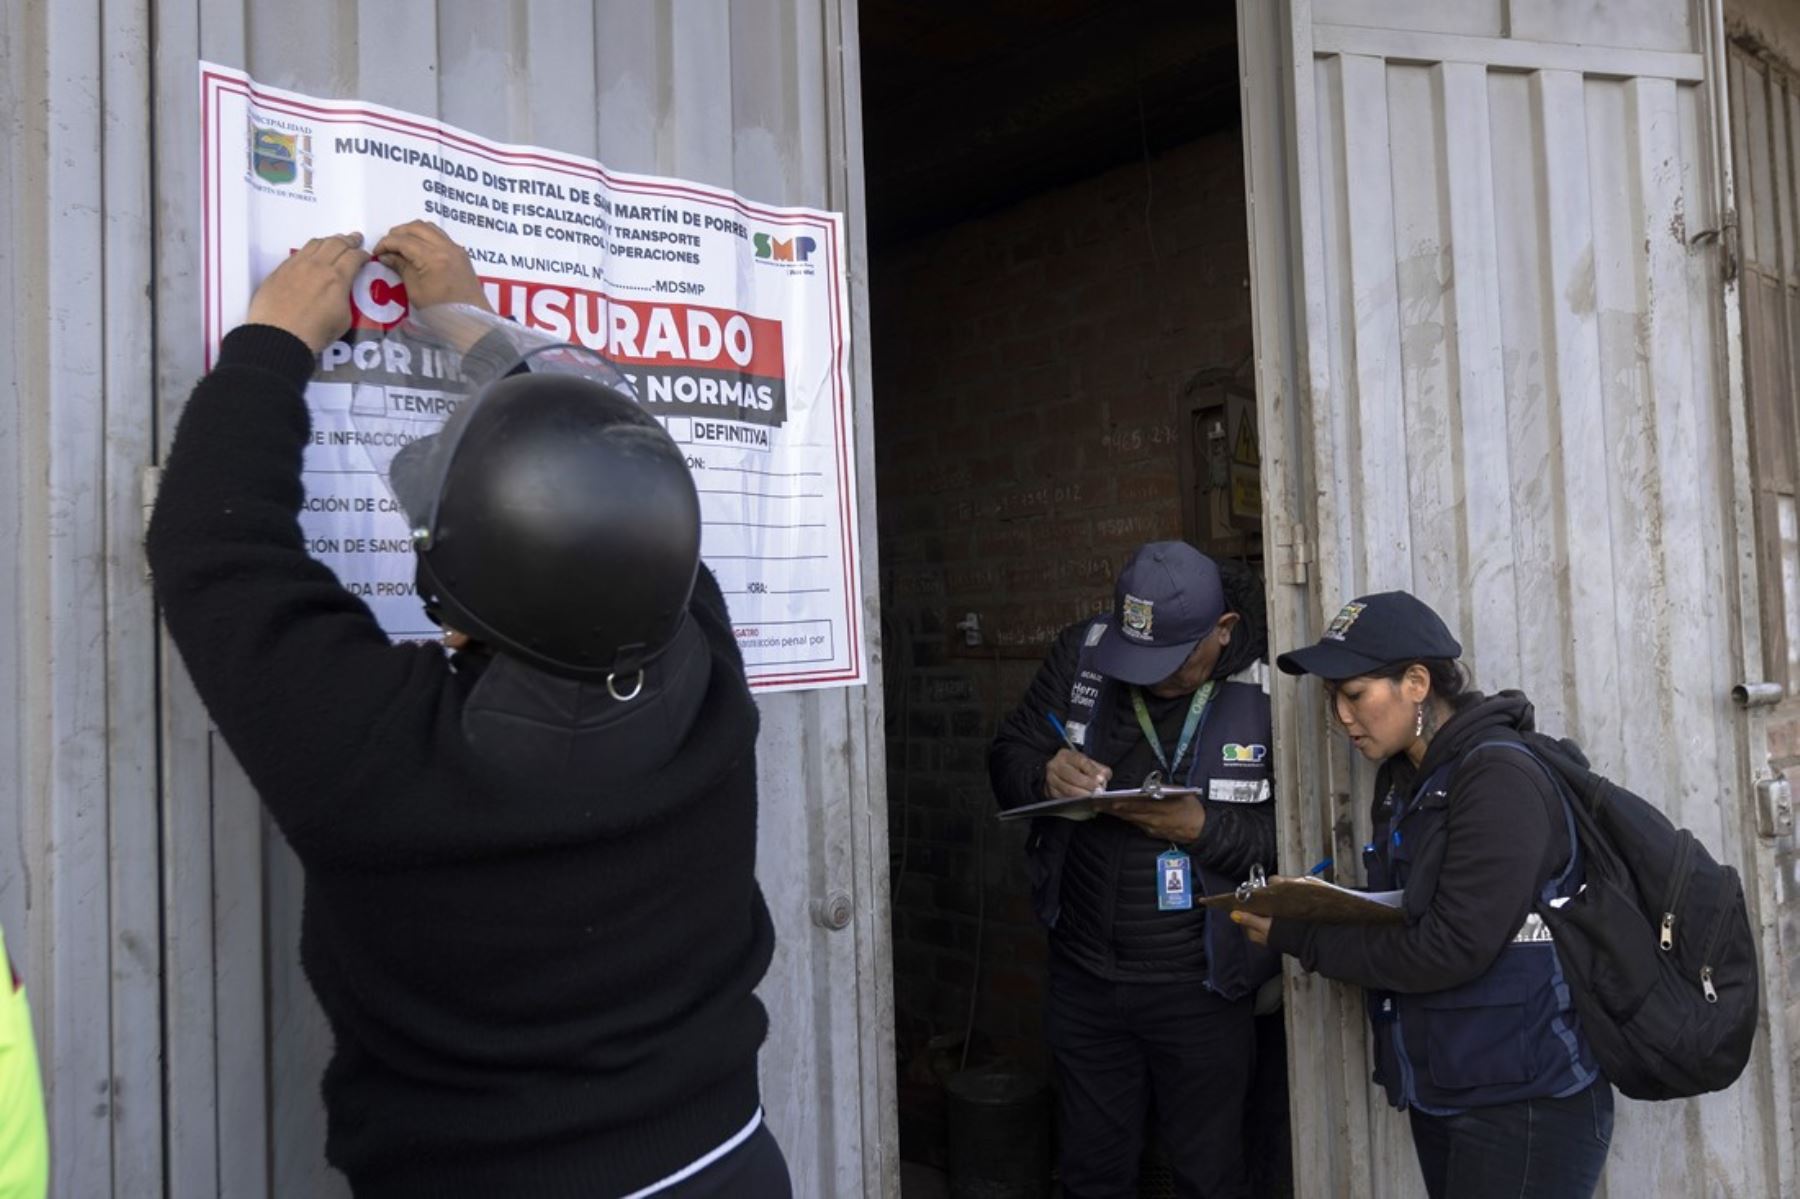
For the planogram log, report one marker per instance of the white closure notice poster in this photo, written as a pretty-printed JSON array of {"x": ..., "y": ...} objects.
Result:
[{"x": 729, "y": 317}]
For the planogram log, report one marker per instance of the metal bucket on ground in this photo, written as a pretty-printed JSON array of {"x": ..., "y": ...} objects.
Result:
[{"x": 999, "y": 1135}]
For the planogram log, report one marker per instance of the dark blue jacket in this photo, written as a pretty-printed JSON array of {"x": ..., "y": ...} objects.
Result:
[{"x": 1467, "y": 1000}]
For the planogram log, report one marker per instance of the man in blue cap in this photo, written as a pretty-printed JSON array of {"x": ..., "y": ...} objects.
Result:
[{"x": 1148, "y": 993}]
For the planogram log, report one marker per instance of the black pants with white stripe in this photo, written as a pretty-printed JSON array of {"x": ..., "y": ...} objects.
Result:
[{"x": 755, "y": 1168}]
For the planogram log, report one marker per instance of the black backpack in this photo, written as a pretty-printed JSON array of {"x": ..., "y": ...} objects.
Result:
[{"x": 1657, "y": 947}]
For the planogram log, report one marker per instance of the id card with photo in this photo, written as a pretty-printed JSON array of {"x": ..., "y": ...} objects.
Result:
[{"x": 1174, "y": 882}]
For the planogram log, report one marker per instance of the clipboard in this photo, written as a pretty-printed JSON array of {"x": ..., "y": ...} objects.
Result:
[
  {"x": 1080, "y": 807},
  {"x": 1311, "y": 899}
]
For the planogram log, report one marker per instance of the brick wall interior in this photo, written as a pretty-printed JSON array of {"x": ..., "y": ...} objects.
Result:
[{"x": 1027, "y": 368}]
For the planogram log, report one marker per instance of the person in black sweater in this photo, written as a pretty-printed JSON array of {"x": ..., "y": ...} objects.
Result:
[
  {"x": 1475, "y": 1033},
  {"x": 531, "y": 914},
  {"x": 1148, "y": 992}
]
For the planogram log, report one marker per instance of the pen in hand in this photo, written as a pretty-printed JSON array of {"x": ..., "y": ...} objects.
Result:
[{"x": 1076, "y": 777}]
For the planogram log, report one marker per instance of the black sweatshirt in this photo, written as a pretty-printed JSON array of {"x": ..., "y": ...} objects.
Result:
[
  {"x": 538, "y": 969},
  {"x": 1504, "y": 834}
]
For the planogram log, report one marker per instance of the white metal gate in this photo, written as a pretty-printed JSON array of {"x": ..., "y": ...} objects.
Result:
[{"x": 1494, "y": 333}]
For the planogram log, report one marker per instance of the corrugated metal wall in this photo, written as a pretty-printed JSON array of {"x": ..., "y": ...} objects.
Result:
[
  {"x": 1509, "y": 394},
  {"x": 102, "y": 341},
  {"x": 78, "y": 826},
  {"x": 1765, "y": 125}
]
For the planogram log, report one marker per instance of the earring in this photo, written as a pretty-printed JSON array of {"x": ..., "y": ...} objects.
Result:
[{"x": 1419, "y": 722}]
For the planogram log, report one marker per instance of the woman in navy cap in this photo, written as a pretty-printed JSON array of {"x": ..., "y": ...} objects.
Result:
[{"x": 1474, "y": 1031}]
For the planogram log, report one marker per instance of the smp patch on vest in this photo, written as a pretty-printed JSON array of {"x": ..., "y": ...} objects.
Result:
[
  {"x": 1340, "y": 624},
  {"x": 1245, "y": 755},
  {"x": 1136, "y": 617}
]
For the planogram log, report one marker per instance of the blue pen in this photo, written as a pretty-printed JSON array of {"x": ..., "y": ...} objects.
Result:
[
  {"x": 1061, "y": 731},
  {"x": 1321, "y": 868}
]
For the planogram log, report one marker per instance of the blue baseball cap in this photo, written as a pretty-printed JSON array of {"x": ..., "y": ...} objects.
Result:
[
  {"x": 1166, "y": 601},
  {"x": 1373, "y": 631}
]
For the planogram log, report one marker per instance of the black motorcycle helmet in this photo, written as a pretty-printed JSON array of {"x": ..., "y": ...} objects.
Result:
[{"x": 555, "y": 521}]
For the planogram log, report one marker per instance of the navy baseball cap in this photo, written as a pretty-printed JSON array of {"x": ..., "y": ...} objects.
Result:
[
  {"x": 1373, "y": 631},
  {"x": 1166, "y": 601}
]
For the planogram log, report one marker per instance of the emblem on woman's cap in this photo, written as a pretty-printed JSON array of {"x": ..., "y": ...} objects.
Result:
[{"x": 1340, "y": 624}]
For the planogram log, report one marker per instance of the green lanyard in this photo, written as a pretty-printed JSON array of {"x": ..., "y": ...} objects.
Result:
[{"x": 1196, "y": 711}]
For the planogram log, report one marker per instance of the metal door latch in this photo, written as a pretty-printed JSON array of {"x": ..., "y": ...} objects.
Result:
[{"x": 1774, "y": 806}]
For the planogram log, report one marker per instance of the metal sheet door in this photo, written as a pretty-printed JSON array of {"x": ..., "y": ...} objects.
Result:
[
  {"x": 1495, "y": 333},
  {"x": 761, "y": 99}
]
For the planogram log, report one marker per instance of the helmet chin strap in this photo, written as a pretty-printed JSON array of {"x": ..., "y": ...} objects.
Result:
[{"x": 426, "y": 596}]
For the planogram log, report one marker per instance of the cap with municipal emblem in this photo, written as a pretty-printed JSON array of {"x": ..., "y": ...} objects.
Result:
[
  {"x": 1167, "y": 599},
  {"x": 1373, "y": 631}
]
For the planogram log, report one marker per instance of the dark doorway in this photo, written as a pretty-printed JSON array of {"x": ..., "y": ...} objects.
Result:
[{"x": 1061, "y": 341}]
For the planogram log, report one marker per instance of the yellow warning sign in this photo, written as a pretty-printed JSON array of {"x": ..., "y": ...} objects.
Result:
[
  {"x": 1244, "y": 450},
  {"x": 1246, "y": 493}
]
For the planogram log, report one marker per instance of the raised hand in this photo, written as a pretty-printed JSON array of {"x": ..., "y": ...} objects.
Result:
[
  {"x": 309, "y": 294},
  {"x": 435, "y": 269}
]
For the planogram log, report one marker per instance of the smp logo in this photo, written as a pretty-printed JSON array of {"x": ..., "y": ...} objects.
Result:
[
  {"x": 795, "y": 253},
  {"x": 280, "y": 156},
  {"x": 1245, "y": 755}
]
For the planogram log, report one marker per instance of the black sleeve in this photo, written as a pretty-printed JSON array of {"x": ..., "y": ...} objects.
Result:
[
  {"x": 1237, "y": 836},
  {"x": 1026, "y": 741},
  {"x": 293, "y": 669},
  {"x": 1497, "y": 844}
]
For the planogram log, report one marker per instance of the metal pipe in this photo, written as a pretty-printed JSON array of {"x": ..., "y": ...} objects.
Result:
[{"x": 1757, "y": 695}]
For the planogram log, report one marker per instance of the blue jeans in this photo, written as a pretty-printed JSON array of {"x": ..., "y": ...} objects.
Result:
[{"x": 1531, "y": 1149}]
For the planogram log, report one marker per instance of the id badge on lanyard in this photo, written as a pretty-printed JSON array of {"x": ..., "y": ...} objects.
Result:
[
  {"x": 1175, "y": 881},
  {"x": 1174, "y": 870}
]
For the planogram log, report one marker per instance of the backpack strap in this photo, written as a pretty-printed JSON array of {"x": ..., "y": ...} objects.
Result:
[{"x": 1562, "y": 793}]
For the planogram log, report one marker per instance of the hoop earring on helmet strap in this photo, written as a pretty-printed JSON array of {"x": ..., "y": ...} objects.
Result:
[
  {"x": 613, "y": 690},
  {"x": 1419, "y": 722}
]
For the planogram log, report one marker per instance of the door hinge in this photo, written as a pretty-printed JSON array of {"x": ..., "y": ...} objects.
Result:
[
  {"x": 1293, "y": 556},
  {"x": 1727, "y": 237}
]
